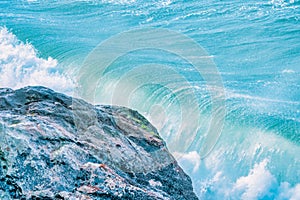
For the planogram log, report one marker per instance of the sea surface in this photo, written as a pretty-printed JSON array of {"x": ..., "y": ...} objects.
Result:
[{"x": 253, "y": 47}]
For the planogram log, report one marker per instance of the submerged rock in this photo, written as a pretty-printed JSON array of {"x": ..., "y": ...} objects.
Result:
[{"x": 55, "y": 147}]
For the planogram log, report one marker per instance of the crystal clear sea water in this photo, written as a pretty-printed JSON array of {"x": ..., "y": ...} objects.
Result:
[{"x": 255, "y": 46}]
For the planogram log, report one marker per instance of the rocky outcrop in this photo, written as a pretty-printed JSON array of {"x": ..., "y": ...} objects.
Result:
[{"x": 56, "y": 147}]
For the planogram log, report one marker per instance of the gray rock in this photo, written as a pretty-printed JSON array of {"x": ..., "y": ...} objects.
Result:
[{"x": 55, "y": 147}]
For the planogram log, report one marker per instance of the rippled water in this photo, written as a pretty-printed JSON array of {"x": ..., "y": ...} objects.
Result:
[{"x": 255, "y": 46}]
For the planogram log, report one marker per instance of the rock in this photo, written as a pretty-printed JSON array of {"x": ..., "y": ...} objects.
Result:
[{"x": 55, "y": 147}]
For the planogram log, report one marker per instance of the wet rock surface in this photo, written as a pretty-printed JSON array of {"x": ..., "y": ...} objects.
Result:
[{"x": 55, "y": 147}]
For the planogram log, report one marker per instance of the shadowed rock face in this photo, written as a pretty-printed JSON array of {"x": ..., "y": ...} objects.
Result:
[{"x": 56, "y": 147}]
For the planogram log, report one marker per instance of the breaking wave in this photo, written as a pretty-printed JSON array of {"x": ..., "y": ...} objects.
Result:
[
  {"x": 255, "y": 45},
  {"x": 21, "y": 66}
]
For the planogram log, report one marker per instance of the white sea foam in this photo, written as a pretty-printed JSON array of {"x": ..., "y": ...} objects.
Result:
[
  {"x": 20, "y": 66},
  {"x": 256, "y": 184},
  {"x": 118, "y": 1},
  {"x": 288, "y": 192},
  {"x": 243, "y": 168},
  {"x": 261, "y": 183},
  {"x": 288, "y": 71}
]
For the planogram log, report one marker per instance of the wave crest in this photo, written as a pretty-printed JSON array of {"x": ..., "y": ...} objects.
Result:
[{"x": 20, "y": 66}]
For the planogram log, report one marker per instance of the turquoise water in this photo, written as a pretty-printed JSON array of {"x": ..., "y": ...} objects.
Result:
[{"x": 255, "y": 46}]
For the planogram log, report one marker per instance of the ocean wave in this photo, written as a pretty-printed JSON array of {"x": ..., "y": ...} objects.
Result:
[
  {"x": 21, "y": 66},
  {"x": 255, "y": 45},
  {"x": 243, "y": 168}
]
